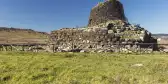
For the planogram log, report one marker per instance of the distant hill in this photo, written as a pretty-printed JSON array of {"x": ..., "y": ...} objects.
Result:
[
  {"x": 164, "y": 36},
  {"x": 160, "y": 34},
  {"x": 17, "y": 35}
]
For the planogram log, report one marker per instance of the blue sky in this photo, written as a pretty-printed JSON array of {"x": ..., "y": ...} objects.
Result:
[{"x": 47, "y": 15}]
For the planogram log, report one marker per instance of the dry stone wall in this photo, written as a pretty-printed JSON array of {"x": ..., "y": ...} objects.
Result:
[{"x": 94, "y": 39}]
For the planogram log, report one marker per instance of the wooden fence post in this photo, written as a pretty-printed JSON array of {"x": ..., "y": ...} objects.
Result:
[
  {"x": 11, "y": 48},
  {"x": 53, "y": 48},
  {"x": 6, "y": 47},
  {"x": 23, "y": 48},
  {"x": 152, "y": 47},
  {"x": 140, "y": 48}
]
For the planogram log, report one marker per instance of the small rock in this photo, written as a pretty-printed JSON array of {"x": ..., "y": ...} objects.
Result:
[
  {"x": 82, "y": 51},
  {"x": 137, "y": 65},
  {"x": 165, "y": 50},
  {"x": 110, "y": 31},
  {"x": 100, "y": 51}
]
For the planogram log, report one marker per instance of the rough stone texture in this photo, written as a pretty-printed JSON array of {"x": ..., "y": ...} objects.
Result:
[
  {"x": 99, "y": 39},
  {"x": 103, "y": 12},
  {"x": 107, "y": 26}
]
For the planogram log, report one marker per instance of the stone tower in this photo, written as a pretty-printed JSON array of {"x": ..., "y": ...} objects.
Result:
[
  {"x": 106, "y": 11},
  {"x": 107, "y": 27}
]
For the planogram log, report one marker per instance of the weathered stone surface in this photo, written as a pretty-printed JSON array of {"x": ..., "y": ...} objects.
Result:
[
  {"x": 107, "y": 26},
  {"x": 68, "y": 39},
  {"x": 104, "y": 12}
]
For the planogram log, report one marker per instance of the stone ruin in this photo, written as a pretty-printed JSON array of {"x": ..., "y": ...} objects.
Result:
[
  {"x": 103, "y": 12},
  {"x": 107, "y": 27}
]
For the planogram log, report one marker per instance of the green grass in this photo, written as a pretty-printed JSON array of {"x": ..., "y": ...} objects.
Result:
[{"x": 82, "y": 68}]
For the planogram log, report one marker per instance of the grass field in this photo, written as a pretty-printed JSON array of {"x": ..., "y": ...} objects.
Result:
[{"x": 82, "y": 68}]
